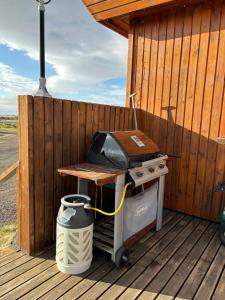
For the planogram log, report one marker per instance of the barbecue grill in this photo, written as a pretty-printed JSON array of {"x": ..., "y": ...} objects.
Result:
[
  {"x": 136, "y": 153},
  {"x": 116, "y": 159}
]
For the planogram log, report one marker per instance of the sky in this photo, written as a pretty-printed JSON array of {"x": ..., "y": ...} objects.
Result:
[{"x": 85, "y": 61}]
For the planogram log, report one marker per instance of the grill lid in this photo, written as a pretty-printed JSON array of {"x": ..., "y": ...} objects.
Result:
[
  {"x": 121, "y": 149},
  {"x": 135, "y": 142}
]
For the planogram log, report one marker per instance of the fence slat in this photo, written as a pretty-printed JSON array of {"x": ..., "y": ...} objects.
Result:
[
  {"x": 66, "y": 143},
  {"x": 57, "y": 154},
  {"x": 39, "y": 168},
  {"x": 82, "y": 131},
  {"x": 49, "y": 175},
  {"x": 25, "y": 191}
]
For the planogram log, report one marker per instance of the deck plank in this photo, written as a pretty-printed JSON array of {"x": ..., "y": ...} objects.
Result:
[
  {"x": 5, "y": 252},
  {"x": 25, "y": 277},
  {"x": 8, "y": 267},
  {"x": 212, "y": 277},
  {"x": 194, "y": 280},
  {"x": 10, "y": 258},
  {"x": 84, "y": 285},
  {"x": 66, "y": 285},
  {"x": 184, "y": 260},
  {"x": 182, "y": 273},
  {"x": 138, "y": 251},
  {"x": 161, "y": 268},
  {"x": 219, "y": 292},
  {"x": 32, "y": 283},
  {"x": 25, "y": 267},
  {"x": 135, "y": 271}
]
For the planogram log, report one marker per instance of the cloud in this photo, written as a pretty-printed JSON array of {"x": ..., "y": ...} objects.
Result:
[
  {"x": 12, "y": 84},
  {"x": 82, "y": 52}
]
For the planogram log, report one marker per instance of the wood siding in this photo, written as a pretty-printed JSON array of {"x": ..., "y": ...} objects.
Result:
[
  {"x": 177, "y": 67},
  {"x": 107, "y": 9},
  {"x": 54, "y": 133}
]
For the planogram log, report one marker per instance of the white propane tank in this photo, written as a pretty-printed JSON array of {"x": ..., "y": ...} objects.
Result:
[{"x": 74, "y": 236}]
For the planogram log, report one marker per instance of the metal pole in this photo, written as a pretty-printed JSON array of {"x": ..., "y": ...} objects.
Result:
[
  {"x": 42, "y": 91},
  {"x": 42, "y": 40},
  {"x": 134, "y": 109}
]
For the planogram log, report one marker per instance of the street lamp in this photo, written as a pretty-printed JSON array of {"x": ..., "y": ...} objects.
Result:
[{"x": 42, "y": 91}]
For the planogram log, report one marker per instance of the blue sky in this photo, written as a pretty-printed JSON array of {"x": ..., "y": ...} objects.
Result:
[
  {"x": 21, "y": 63},
  {"x": 84, "y": 60}
]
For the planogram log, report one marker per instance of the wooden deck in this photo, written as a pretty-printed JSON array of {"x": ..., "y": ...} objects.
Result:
[{"x": 185, "y": 260}]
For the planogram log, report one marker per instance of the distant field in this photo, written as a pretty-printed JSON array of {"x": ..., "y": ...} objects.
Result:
[{"x": 8, "y": 125}]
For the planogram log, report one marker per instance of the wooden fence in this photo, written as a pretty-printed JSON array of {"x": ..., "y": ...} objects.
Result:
[{"x": 54, "y": 133}]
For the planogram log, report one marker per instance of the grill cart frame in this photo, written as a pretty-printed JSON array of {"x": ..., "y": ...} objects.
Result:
[{"x": 102, "y": 175}]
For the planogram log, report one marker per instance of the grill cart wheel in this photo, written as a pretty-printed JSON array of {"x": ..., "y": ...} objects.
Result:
[{"x": 122, "y": 257}]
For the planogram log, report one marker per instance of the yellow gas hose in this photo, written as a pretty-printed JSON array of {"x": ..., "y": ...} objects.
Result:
[{"x": 120, "y": 206}]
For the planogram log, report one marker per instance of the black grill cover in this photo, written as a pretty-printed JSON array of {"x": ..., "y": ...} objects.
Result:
[{"x": 107, "y": 150}]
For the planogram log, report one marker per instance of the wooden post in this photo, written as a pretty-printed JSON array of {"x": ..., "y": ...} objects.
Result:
[{"x": 25, "y": 197}]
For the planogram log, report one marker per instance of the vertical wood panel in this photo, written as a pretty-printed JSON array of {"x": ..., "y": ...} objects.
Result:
[
  {"x": 117, "y": 118},
  {"x": 140, "y": 55},
  {"x": 49, "y": 170},
  {"x": 89, "y": 125},
  {"x": 74, "y": 132},
  {"x": 166, "y": 108},
  {"x": 219, "y": 122},
  {"x": 39, "y": 172},
  {"x": 58, "y": 153},
  {"x": 184, "y": 69},
  {"x": 66, "y": 130},
  {"x": 130, "y": 64},
  {"x": 216, "y": 109},
  {"x": 18, "y": 207},
  {"x": 122, "y": 118},
  {"x": 159, "y": 79},
  {"x": 146, "y": 70},
  {"x": 165, "y": 111},
  {"x": 181, "y": 83},
  {"x": 26, "y": 172},
  {"x": 107, "y": 118},
  {"x": 199, "y": 205},
  {"x": 173, "y": 102},
  {"x": 197, "y": 110},
  {"x": 152, "y": 75},
  {"x": 191, "y": 88},
  {"x": 82, "y": 131},
  {"x": 95, "y": 118},
  {"x": 112, "y": 118},
  {"x": 101, "y": 121}
]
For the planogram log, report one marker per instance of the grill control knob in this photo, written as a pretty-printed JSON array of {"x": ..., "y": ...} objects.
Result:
[
  {"x": 151, "y": 170},
  {"x": 161, "y": 166},
  {"x": 139, "y": 174}
]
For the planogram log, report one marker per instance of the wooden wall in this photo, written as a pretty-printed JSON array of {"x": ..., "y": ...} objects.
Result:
[
  {"x": 54, "y": 133},
  {"x": 177, "y": 67}
]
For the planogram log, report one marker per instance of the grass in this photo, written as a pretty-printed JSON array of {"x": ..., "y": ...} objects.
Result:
[
  {"x": 8, "y": 126},
  {"x": 7, "y": 233}
]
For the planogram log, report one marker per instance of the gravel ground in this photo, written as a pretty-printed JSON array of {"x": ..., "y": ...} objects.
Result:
[{"x": 8, "y": 155}]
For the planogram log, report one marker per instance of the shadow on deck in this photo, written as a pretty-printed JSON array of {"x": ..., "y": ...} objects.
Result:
[{"x": 184, "y": 260}]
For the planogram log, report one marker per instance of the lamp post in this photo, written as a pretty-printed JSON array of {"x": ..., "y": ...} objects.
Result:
[{"x": 42, "y": 91}]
